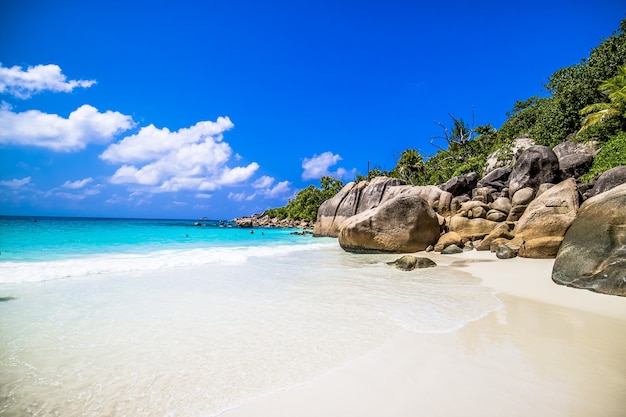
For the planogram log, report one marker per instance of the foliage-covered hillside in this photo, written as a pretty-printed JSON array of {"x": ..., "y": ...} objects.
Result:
[
  {"x": 586, "y": 101},
  {"x": 594, "y": 84}
]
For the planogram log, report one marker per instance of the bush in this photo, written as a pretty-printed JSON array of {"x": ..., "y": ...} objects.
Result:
[{"x": 612, "y": 154}]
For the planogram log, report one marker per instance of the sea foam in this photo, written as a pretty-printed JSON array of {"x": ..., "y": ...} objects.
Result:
[{"x": 96, "y": 264}]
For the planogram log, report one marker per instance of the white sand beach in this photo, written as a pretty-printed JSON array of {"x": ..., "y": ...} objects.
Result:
[{"x": 549, "y": 351}]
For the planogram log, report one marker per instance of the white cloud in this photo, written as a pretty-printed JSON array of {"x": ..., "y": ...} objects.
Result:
[
  {"x": 23, "y": 84},
  {"x": 264, "y": 188},
  {"x": 204, "y": 195},
  {"x": 74, "y": 185},
  {"x": 318, "y": 166},
  {"x": 263, "y": 182},
  {"x": 15, "y": 183},
  {"x": 281, "y": 189},
  {"x": 241, "y": 196},
  {"x": 152, "y": 143},
  {"x": 193, "y": 158},
  {"x": 70, "y": 196},
  {"x": 238, "y": 174},
  {"x": 84, "y": 126}
]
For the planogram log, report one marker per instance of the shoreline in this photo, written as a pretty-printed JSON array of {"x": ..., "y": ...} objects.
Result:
[{"x": 549, "y": 350}]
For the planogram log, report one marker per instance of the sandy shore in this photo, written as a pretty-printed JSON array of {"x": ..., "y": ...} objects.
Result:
[{"x": 549, "y": 351}]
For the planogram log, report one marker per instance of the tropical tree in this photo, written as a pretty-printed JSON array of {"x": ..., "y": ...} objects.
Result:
[
  {"x": 305, "y": 204},
  {"x": 615, "y": 90},
  {"x": 410, "y": 167}
]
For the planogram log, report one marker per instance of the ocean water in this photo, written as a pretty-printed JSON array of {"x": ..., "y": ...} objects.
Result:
[{"x": 123, "y": 317}]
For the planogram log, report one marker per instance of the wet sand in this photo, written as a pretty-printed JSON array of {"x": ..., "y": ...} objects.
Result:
[{"x": 550, "y": 351}]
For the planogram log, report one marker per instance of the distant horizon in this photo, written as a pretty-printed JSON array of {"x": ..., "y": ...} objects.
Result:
[
  {"x": 226, "y": 109},
  {"x": 36, "y": 217}
]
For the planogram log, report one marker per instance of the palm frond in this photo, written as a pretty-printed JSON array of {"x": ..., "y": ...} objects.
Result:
[{"x": 598, "y": 116}]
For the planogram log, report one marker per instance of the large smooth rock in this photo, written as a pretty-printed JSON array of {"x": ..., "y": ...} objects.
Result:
[
  {"x": 462, "y": 184},
  {"x": 447, "y": 239},
  {"x": 502, "y": 204},
  {"x": 431, "y": 193},
  {"x": 575, "y": 165},
  {"x": 405, "y": 223},
  {"x": 608, "y": 180},
  {"x": 575, "y": 158},
  {"x": 523, "y": 196},
  {"x": 471, "y": 229},
  {"x": 496, "y": 216},
  {"x": 593, "y": 252},
  {"x": 376, "y": 192},
  {"x": 546, "y": 219},
  {"x": 445, "y": 204},
  {"x": 335, "y": 210},
  {"x": 567, "y": 148},
  {"x": 535, "y": 166},
  {"x": 498, "y": 179},
  {"x": 501, "y": 231},
  {"x": 352, "y": 199}
]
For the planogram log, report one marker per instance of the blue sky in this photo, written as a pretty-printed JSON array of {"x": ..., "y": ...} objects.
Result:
[{"x": 220, "y": 109}]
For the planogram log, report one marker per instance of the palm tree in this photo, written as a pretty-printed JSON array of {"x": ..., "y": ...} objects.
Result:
[{"x": 615, "y": 89}]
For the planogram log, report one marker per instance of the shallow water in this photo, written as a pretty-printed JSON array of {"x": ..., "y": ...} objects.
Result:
[{"x": 194, "y": 338}]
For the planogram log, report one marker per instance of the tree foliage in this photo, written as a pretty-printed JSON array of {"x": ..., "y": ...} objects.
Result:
[
  {"x": 612, "y": 154},
  {"x": 305, "y": 204},
  {"x": 410, "y": 168},
  {"x": 615, "y": 90}
]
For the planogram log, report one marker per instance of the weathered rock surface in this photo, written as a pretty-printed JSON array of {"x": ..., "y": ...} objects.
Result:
[
  {"x": 451, "y": 250},
  {"x": 498, "y": 178},
  {"x": 535, "y": 166},
  {"x": 496, "y": 215},
  {"x": 593, "y": 252},
  {"x": 447, "y": 239},
  {"x": 505, "y": 252},
  {"x": 497, "y": 160},
  {"x": 405, "y": 223},
  {"x": 608, "y": 180},
  {"x": 502, "y": 230},
  {"x": 410, "y": 262},
  {"x": 471, "y": 229},
  {"x": 542, "y": 226},
  {"x": 516, "y": 213},
  {"x": 575, "y": 158},
  {"x": 523, "y": 196},
  {"x": 575, "y": 165},
  {"x": 572, "y": 148},
  {"x": 462, "y": 184},
  {"x": 483, "y": 194},
  {"x": 502, "y": 204},
  {"x": 257, "y": 220},
  {"x": 352, "y": 199}
]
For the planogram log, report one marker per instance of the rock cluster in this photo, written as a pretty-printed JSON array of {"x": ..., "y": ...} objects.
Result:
[
  {"x": 522, "y": 211},
  {"x": 257, "y": 220}
]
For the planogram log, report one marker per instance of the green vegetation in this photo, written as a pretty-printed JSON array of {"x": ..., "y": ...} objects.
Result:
[
  {"x": 613, "y": 154},
  {"x": 305, "y": 204},
  {"x": 615, "y": 90},
  {"x": 586, "y": 101}
]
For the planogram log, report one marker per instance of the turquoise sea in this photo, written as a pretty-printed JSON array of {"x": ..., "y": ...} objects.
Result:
[{"x": 125, "y": 317}]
